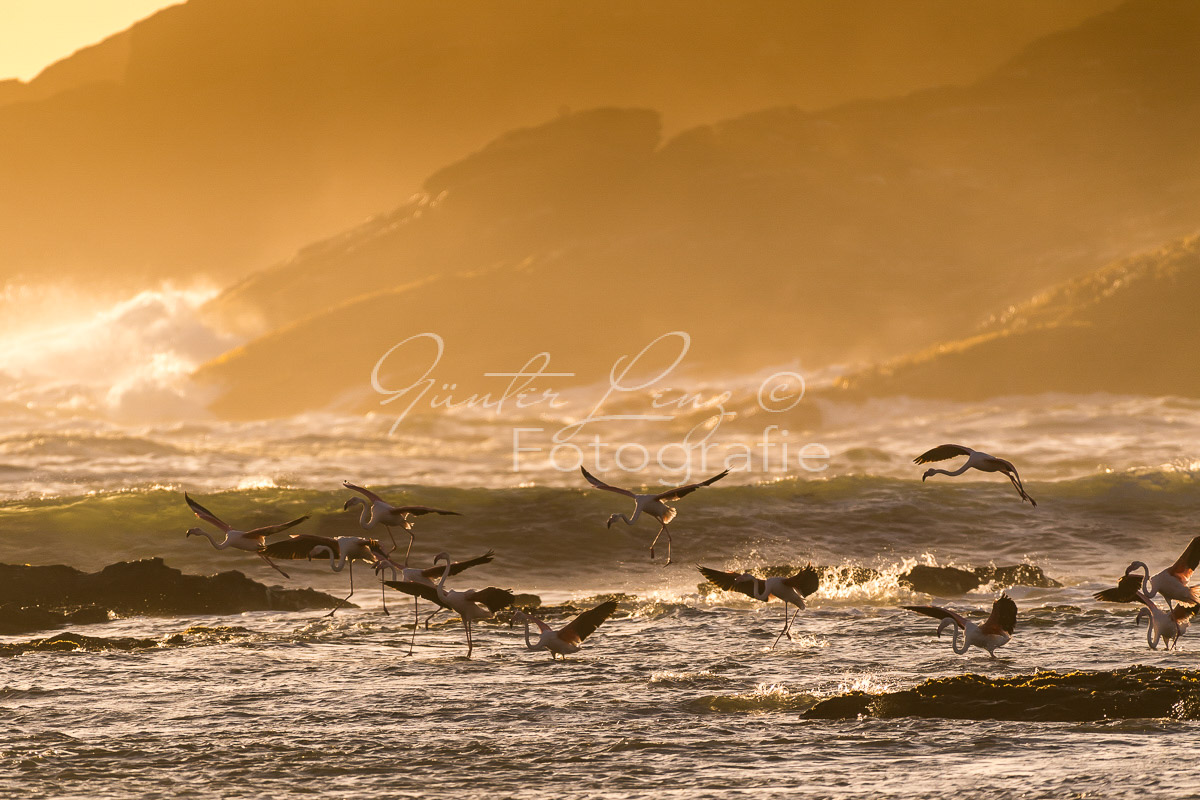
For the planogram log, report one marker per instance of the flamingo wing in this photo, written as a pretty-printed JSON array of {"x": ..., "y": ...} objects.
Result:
[
  {"x": 730, "y": 581},
  {"x": 206, "y": 515},
  {"x": 937, "y": 612},
  {"x": 586, "y": 623},
  {"x": 301, "y": 545},
  {"x": 684, "y": 491},
  {"x": 459, "y": 566},
  {"x": 273, "y": 529},
  {"x": 417, "y": 590},
  {"x": 365, "y": 492},
  {"x": 1126, "y": 591},
  {"x": 806, "y": 581},
  {"x": 942, "y": 452},
  {"x": 1186, "y": 564},
  {"x": 1003, "y": 618},
  {"x": 599, "y": 484},
  {"x": 495, "y": 599},
  {"x": 417, "y": 511}
]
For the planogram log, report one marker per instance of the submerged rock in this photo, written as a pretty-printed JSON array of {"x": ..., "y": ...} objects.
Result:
[
  {"x": 51, "y": 596},
  {"x": 1131, "y": 693}
]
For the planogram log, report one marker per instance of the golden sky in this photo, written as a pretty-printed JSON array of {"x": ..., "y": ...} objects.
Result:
[{"x": 36, "y": 33}]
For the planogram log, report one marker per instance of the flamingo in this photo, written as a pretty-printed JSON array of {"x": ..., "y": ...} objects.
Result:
[
  {"x": 567, "y": 639},
  {"x": 343, "y": 551},
  {"x": 1171, "y": 583},
  {"x": 654, "y": 505},
  {"x": 380, "y": 512},
  {"x": 995, "y": 632},
  {"x": 471, "y": 605},
  {"x": 788, "y": 589},
  {"x": 253, "y": 540},
  {"x": 1169, "y": 625},
  {"x": 426, "y": 576},
  {"x": 975, "y": 460}
]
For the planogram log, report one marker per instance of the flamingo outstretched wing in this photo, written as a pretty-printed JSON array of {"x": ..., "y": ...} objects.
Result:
[
  {"x": 942, "y": 452},
  {"x": 417, "y": 511},
  {"x": 937, "y": 612},
  {"x": 806, "y": 581},
  {"x": 206, "y": 515},
  {"x": 599, "y": 484},
  {"x": 586, "y": 623},
  {"x": 365, "y": 492},
  {"x": 418, "y": 590},
  {"x": 495, "y": 599},
  {"x": 1126, "y": 591},
  {"x": 1003, "y": 618},
  {"x": 730, "y": 581},
  {"x": 459, "y": 566},
  {"x": 273, "y": 529},
  {"x": 302, "y": 545},
  {"x": 684, "y": 491},
  {"x": 1185, "y": 565}
]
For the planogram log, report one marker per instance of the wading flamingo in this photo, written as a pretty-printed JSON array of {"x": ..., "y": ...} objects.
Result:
[
  {"x": 471, "y": 605},
  {"x": 425, "y": 577},
  {"x": 1171, "y": 583},
  {"x": 994, "y": 632},
  {"x": 253, "y": 541},
  {"x": 975, "y": 460},
  {"x": 343, "y": 551},
  {"x": 565, "y": 640},
  {"x": 380, "y": 512},
  {"x": 788, "y": 589},
  {"x": 655, "y": 505},
  {"x": 1169, "y": 625}
]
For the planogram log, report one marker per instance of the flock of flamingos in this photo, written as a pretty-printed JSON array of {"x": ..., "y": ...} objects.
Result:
[{"x": 472, "y": 605}]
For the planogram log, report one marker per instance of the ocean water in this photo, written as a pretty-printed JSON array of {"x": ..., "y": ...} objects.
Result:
[{"x": 680, "y": 693}]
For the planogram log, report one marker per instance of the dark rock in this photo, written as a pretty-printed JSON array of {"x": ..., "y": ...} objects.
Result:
[
  {"x": 137, "y": 587},
  {"x": 1016, "y": 575},
  {"x": 940, "y": 580}
]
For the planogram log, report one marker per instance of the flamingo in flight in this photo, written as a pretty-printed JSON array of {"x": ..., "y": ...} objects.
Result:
[
  {"x": 791, "y": 589},
  {"x": 567, "y": 639},
  {"x": 995, "y": 632},
  {"x": 426, "y": 576},
  {"x": 253, "y": 540},
  {"x": 1171, "y": 583},
  {"x": 377, "y": 511},
  {"x": 343, "y": 551},
  {"x": 655, "y": 505},
  {"x": 471, "y": 605},
  {"x": 975, "y": 460}
]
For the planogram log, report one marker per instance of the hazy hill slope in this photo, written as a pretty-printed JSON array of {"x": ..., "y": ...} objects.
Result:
[
  {"x": 222, "y": 134},
  {"x": 1129, "y": 328},
  {"x": 862, "y": 232}
]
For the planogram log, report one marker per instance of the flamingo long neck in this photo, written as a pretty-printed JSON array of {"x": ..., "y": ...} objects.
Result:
[
  {"x": 209, "y": 536},
  {"x": 364, "y": 516},
  {"x": 1147, "y": 589},
  {"x": 958, "y": 471},
  {"x": 957, "y": 630},
  {"x": 441, "y": 586},
  {"x": 528, "y": 644}
]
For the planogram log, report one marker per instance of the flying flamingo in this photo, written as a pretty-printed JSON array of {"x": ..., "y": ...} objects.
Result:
[
  {"x": 425, "y": 577},
  {"x": 380, "y": 512},
  {"x": 655, "y": 505},
  {"x": 470, "y": 605},
  {"x": 975, "y": 460},
  {"x": 253, "y": 540},
  {"x": 790, "y": 589},
  {"x": 567, "y": 639},
  {"x": 1171, "y": 583},
  {"x": 1169, "y": 625},
  {"x": 994, "y": 632},
  {"x": 342, "y": 551}
]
